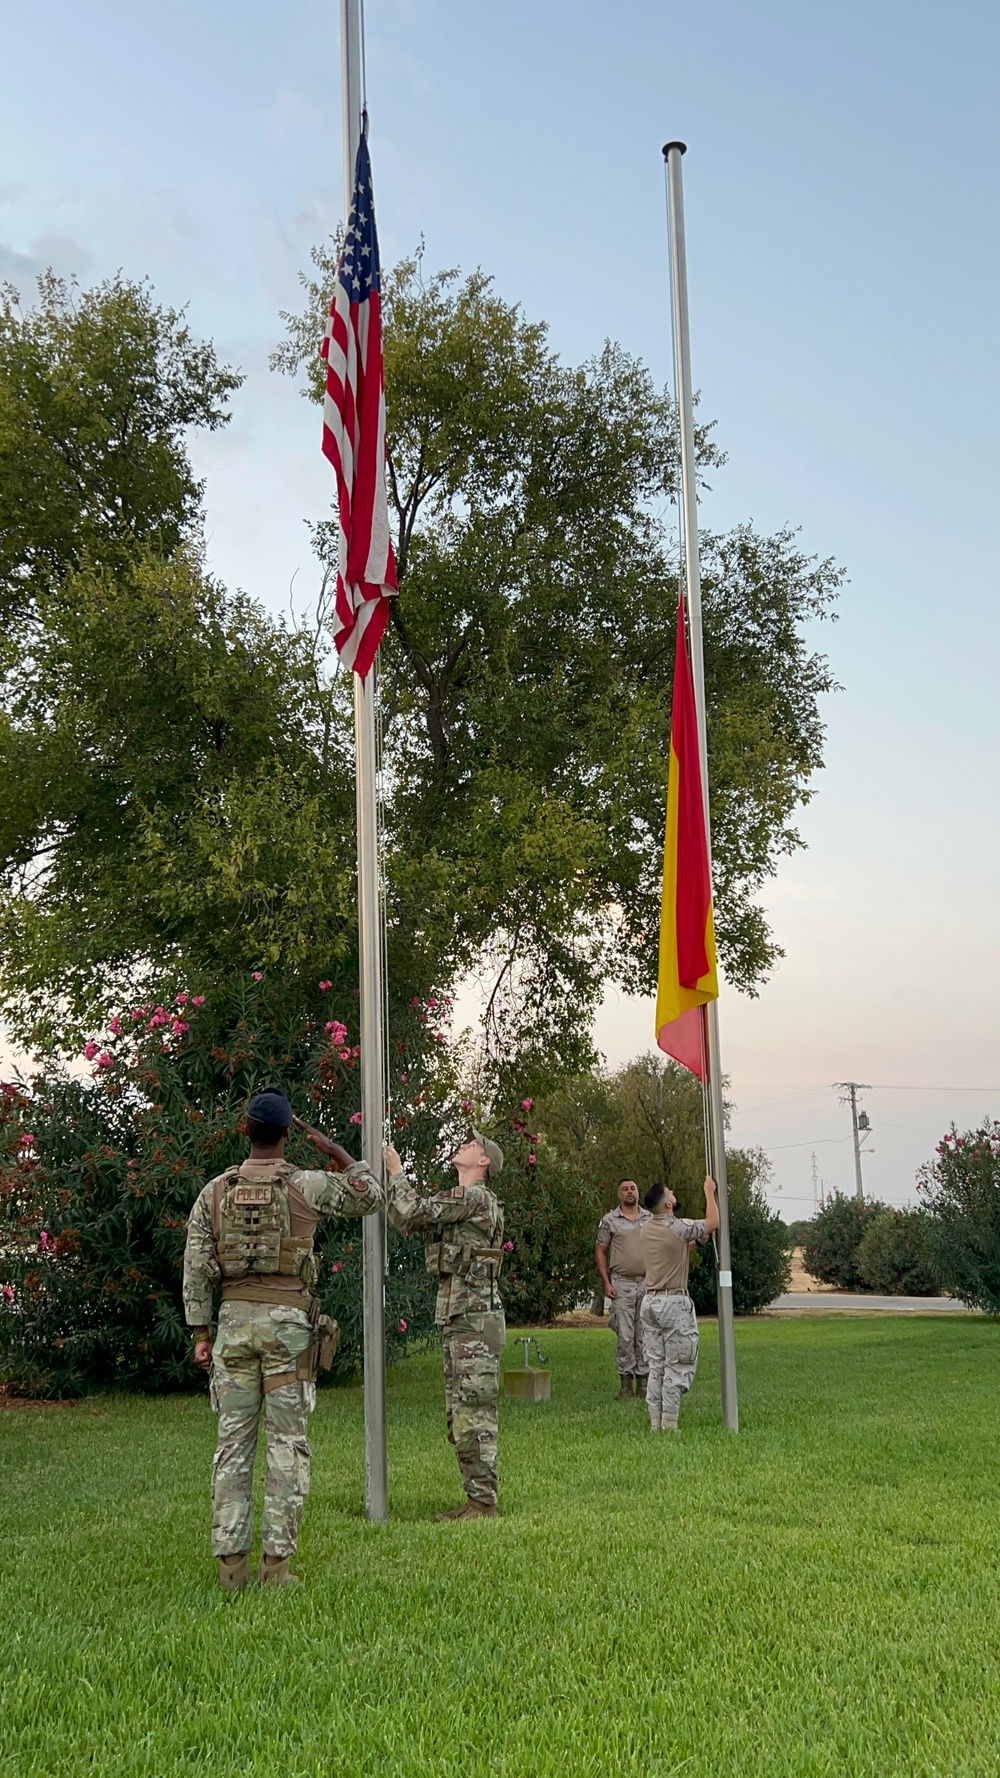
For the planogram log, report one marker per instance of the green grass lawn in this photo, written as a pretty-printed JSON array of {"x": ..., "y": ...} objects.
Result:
[{"x": 816, "y": 1595}]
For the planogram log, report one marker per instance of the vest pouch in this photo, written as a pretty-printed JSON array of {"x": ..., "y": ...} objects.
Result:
[
  {"x": 454, "y": 1257},
  {"x": 296, "y": 1259},
  {"x": 432, "y": 1257},
  {"x": 484, "y": 1266}
]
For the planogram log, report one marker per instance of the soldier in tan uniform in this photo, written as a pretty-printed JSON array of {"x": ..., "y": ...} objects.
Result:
[
  {"x": 251, "y": 1234},
  {"x": 618, "y": 1239},
  {"x": 463, "y": 1231},
  {"x": 669, "y": 1322}
]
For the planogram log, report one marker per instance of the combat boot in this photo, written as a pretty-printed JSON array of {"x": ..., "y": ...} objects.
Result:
[
  {"x": 234, "y": 1572},
  {"x": 625, "y": 1389},
  {"x": 273, "y": 1572},
  {"x": 640, "y": 1386},
  {"x": 473, "y": 1509}
]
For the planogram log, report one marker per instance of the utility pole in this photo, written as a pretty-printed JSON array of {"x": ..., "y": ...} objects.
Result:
[
  {"x": 817, "y": 1200},
  {"x": 849, "y": 1090}
]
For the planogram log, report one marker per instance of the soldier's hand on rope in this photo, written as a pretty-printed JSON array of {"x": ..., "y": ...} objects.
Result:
[
  {"x": 393, "y": 1164},
  {"x": 202, "y": 1354},
  {"x": 325, "y": 1145}
]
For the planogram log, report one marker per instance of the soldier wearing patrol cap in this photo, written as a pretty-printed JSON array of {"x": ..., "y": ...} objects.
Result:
[
  {"x": 463, "y": 1232},
  {"x": 250, "y": 1234}
]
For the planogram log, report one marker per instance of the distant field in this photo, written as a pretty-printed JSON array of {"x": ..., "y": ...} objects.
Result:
[{"x": 816, "y": 1596}]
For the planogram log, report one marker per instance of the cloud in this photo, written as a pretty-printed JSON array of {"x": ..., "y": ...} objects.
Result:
[{"x": 60, "y": 253}]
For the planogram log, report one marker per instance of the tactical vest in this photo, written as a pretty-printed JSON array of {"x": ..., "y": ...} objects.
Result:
[
  {"x": 264, "y": 1227},
  {"x": 459, "y": 1250}
]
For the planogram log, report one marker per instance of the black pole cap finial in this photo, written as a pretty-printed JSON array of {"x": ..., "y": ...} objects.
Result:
[{"x": 667, "y": 146}]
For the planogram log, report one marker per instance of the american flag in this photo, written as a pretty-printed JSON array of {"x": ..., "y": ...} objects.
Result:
[{"x": 354, "y": 434}]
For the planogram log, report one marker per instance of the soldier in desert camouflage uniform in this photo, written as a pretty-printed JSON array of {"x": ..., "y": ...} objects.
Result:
[
  {"x": 463, "y": 1231},
  {"x": 251, "y": 1231},
  {"x": 670, "y": 1325}
]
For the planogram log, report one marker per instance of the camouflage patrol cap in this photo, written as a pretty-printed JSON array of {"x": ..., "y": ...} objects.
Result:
[{"x": 493, "y": 1151}]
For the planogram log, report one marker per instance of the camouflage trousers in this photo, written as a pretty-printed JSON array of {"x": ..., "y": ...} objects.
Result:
[
  {"x": 473, "y": 1344},
  {"x": 624, "y": 1318},
  {"x": 671, "y": 1329},
  {"x": 255, "y": 1342}
]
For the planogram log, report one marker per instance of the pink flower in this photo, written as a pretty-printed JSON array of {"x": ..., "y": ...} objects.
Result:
[
  {"x": 136, "y": 1014},
  {"x": 402, "y": 1327},
  {"x": 115, "y": 1026},
  {"x": 43, "y": 1241},
  {"x": 27, "y": 1139},
  {"x": 531, "y": 1160},
  {"x": 198, "y": 1000},
  {"x": 7, "y": 1294},
  {"x": 466, "y": 1104},
  {"x": 90, "y": 1049},
  {"x": 258, "y": 975},
  {"x": 337, "y": 1266},
  {"x": 130, "y": 1163},
  {"x": 344, "y": 1054},
  {"x": 508, "y": 1246},
  {"x": 105, "y": 1061},
  {"x": 414, "y": 1001},
  {"x": 178, "y": 1027},
  {"x": 526, "y": 1104},
  {"x": 324, "y": 985},
  {"x": 355, "y": 1117},
  {"x": 337, "y": 1032},
  {"x": 404, "y": 1077},
  {"x": 432, "y": 1000}
]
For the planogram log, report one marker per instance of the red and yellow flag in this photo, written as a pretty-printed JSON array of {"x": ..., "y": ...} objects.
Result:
[{"x": 687, "y": 978}]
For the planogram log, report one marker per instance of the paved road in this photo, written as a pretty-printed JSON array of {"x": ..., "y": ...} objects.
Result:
[{"x": 825, "y": 1300}]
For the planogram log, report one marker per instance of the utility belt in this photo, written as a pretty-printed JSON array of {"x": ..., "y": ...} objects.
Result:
[
  {"x": 628, "y": 1277},
  {"x": 290, "y": 1293}
]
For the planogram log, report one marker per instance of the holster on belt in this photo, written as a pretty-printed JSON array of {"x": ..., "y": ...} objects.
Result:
[{"x": 289, "y": 1293}]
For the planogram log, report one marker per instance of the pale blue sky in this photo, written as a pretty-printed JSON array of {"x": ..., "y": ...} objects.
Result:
[{"x": 843, "y": 251}]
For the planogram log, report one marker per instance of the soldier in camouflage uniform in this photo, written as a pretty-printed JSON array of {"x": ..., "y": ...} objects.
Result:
[
  {"x": 463, "y": 1231},
  {"x": 251, "y": 1233}
]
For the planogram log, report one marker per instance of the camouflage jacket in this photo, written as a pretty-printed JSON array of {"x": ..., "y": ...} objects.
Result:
[
  {"x": 463, "y": 1231},
  {"x": 354, "y": 1193}
]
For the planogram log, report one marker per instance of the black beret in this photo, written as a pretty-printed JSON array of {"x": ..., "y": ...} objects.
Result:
[{"x": 270, "y": 1108}]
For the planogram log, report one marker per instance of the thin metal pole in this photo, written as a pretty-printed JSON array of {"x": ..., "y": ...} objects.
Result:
[
  {"x": 369, "y": 927},
  {"x": 692, "y": 580}
]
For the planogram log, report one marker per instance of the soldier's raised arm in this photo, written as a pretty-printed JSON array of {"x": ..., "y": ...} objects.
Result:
[
  {"x": 407, "y": 1210},
  {"x": 352, "y": 1190}
]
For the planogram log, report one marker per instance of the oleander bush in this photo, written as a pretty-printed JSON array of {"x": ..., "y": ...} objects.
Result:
[{"x": 960, "y": 1188}]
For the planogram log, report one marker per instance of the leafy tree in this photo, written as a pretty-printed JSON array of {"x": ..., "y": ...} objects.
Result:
[
  {"x": 961, "y": 1190},
  {"x": 797, "y": 1232},
  {"x": 830, "y": 1248},
  {"x": 179, "y": 799},
  {"x": 896, "y": 1254},
  {"x": 527, "y": 676},
  {"x": 97, "y": 392},
  {"x": 643, "y": 1121}
]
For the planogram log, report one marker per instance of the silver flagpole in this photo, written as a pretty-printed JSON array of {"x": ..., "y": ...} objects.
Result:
[
  {"x": 692, "y": 576},
  {"x": 369, "y": 924}
]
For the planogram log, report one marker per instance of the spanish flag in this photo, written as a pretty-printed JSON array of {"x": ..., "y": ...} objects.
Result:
[{"x": 687, "y": 978}]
